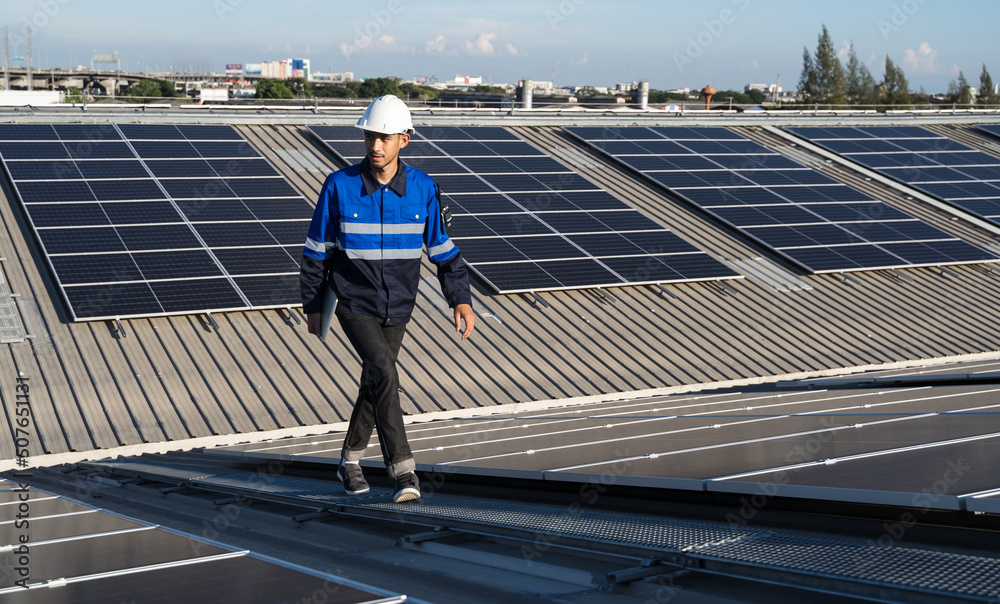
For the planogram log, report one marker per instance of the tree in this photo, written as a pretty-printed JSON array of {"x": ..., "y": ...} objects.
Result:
[
  {"x": 145, "y": 91},
  {"x": 167, "y": 89},
  {"x": 958, "y": 92},
  {"x": 822, "y": 80},
  {"x": 987, "y": 95},
  {"x": 896, "y": 89},
  {"x": 299, "y": 87},
  {"x": 807, "y": 81},
  {"x": 273, "y": 89},
  {"x": 413, "y": 91},
  {"x": 829, "y": 71},
  {"x": 74, "y": 95},
  {"x": 860, "y": 86},
  {"x": 376, "y": 87}
]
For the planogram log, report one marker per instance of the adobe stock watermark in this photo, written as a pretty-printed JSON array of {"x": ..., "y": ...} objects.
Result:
[
  {"x": 47, "y": 11},
  {"x": 562, "y": 12},
  {"x": 923, "y": 502},
  {"x": 713, "y": 30},
  {"x": 589, "y": 493},
  {"x": 900, "y": 16},
  {"x": 364, "y": 39},
  {"x": 224, "y": 7}
]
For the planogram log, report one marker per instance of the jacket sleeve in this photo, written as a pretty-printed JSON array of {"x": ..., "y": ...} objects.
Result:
[
  {"x": 453, "y": 274},
  {"x": 318, "y": 251}
]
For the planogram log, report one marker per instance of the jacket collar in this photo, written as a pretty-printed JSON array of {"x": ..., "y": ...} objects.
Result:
[{"x": 371, "y": 184}]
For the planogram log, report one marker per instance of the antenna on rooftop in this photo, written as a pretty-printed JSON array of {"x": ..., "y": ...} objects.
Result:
[
  {"x": 27, "y": 55},
  {"x": 6, "y": 61}
]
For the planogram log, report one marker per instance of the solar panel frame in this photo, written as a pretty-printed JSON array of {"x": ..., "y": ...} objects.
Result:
[
  {"x": 780, "y": 206},
  {"x": 105, "y": 218},
  {"x": 514, "y": 208}
]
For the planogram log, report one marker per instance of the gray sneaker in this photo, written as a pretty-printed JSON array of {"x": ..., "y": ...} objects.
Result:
[
  {"x": 407, "y": 488},
  {"x": 354, "y": 479}
]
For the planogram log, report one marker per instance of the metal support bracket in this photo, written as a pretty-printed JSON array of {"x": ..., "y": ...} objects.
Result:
[
  {"x": 847, "y": 278},
  {"x": 946, "y": 272},
  {"x": 440, "y": 532},
  {"x": 902, "y": 275},
  {"x": 539, "y": 300},
  {"x": 294, "y": 315},
  {"x": 606, "y": 296},
  {"x": 648, "y": 568},
  {"x": 211, "y": 320},
  {"x": 119, "y": 327},
  {"x": 725, "y": 288},
  {"x": 663, "y": 288},
  {"x": 178, "y": 487},
  {"x": 320, "y": 513}
]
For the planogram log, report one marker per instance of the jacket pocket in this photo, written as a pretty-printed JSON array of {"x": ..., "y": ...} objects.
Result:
[{"x": 413, "y": 213}]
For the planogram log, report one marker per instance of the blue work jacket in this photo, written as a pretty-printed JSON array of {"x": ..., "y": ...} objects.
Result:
[{"x": 367, "y": 240}]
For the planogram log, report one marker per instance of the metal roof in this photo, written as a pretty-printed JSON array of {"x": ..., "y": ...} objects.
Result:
[{"x": 175, "y": 382}]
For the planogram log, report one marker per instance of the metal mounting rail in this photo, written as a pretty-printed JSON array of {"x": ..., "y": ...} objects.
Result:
[{"x": 871, "y": 570}]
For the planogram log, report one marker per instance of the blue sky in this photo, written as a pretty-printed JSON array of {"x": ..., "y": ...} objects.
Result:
[{"x": 725, "y": 43}]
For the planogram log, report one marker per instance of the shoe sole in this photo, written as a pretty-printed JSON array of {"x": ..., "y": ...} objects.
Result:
[{"x": 407, "y": 494}]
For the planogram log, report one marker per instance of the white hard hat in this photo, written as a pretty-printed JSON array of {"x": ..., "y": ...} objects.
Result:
[{"x": 386, "y": 115}]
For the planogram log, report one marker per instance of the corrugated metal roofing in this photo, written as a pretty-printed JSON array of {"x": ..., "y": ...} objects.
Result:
[{"x": 179, "y": 378}]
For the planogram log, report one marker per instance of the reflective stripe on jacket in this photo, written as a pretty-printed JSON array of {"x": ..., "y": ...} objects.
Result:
[{"x": 368, "y": 238}]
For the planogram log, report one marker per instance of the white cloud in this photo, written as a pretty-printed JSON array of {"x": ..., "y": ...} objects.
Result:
[
  {"x": 845, "y": 51},
  {"x": 511, "y": 50},
  {"x": 583, "y": 60},
  {"x": 921, "y": 60},
  {"x": 287, "y": 48},
  {"x": 482, "y": 45},
  {"x": 436, "y": 45},
  {"x": 383, "y": 43}
]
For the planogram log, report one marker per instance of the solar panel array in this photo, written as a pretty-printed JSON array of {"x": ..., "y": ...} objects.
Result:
[
  {"x": 146, "y": 220},
  {"x": 525, "y": 222},
  {"x": 811, "y": 219},
  {"x": 79, "y": 553},
  {"x": 964, "y": 177}
]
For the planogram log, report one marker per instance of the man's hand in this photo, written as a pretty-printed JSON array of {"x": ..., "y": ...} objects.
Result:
[
  {"x": 314, "y": 322},
  {"x": 463, "y": 312}
]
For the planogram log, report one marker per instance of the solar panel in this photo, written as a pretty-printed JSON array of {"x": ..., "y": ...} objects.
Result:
[
  {"x": 863, "y": 444},
  {"x": 818, "y": 223},
  {"x": 991, "y": 129},
  {"x": 518, "y": 213},
  {"x": 960, "y": 175},
  {"x": 142, "y": 219}
]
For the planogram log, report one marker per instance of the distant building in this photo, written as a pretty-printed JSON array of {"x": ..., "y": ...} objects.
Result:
[
  {"x": 765, "y": 88},
  {"x": 285, "y": 69},
  {"x": 333, "y": 78},
  {"x": 468, "y": 80},
  {"x": 277, "y": 70},
  {"x": 593, "y": 89}
]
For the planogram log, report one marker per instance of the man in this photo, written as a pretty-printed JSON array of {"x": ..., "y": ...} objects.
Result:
[{"x": 365, "y": 241}]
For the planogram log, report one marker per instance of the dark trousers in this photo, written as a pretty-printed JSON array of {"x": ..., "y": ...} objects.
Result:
[{"x": 377, "y": 406}]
